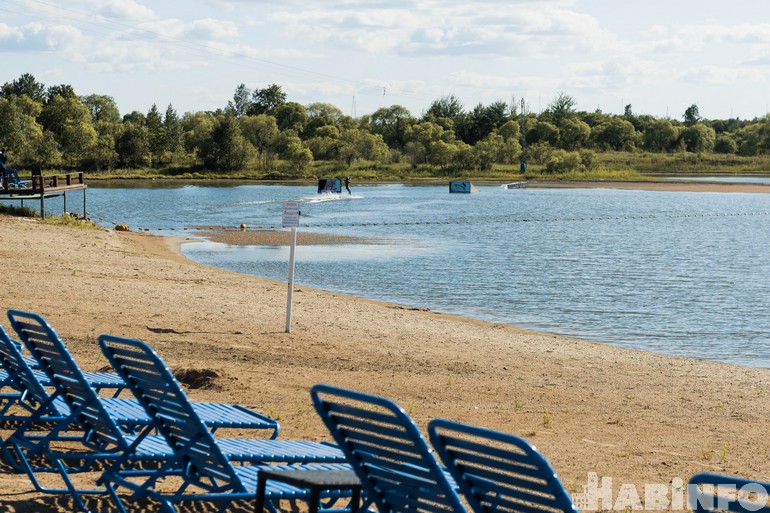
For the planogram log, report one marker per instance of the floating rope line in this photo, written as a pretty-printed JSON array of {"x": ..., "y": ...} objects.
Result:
[{"x": 463, "y": 221}]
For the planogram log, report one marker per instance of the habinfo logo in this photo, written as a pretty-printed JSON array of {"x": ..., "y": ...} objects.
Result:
[{"x": 599, "y": 495}]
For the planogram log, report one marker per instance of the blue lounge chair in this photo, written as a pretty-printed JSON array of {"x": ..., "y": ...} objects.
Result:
[
  {"x": 22, "y": 375},
  {"x": 13, "y": 180},
  {"x": 498, "y": 471},
  {"x": 397, "y": 468},
  {"x": 713, "y": 492},
  {"x": 44, "y": 343},
  {"x": 77, "y": 406},
  {"x": 207, "y": 473}
]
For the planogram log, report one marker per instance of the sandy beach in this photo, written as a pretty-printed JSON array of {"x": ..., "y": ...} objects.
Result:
[{"x": 637, "y": 417}]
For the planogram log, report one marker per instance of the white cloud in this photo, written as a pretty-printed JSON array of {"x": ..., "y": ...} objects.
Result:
[
  {"x": 141, "y": 58},
  {"x": 464, "y": 78},
  {"x": 36, "y": 37},
  {"x": 481, "y": 51},
  {"x": 211, "y": 29},
  {"x": 428, "y": 29},
  {"x": 125, "y": 10},
  {"x": 757, "y": 56},
  {"x": 720, "y": 75}
]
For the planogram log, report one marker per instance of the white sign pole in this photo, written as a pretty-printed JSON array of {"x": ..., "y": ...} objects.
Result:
[
  {"x": 291, "y": 277},
  {"x": 291, "y": 219}
]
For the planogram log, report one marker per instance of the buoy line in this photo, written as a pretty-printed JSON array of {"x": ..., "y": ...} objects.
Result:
[{"x": 456, "y": 221}]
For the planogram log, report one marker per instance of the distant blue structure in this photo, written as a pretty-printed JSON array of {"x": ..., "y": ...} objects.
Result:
[
  {"x": 462, "y": 187},
  {"x": 329, "y": 185}
]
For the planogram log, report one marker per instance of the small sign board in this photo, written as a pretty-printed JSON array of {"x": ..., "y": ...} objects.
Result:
[{"x": 290, "y": 217}]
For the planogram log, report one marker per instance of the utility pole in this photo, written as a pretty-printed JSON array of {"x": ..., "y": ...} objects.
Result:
[{"x": 523, "y": 166}]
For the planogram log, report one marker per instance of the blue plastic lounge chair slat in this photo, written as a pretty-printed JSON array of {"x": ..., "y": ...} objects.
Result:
[
  {"x": 209, "y": 466},
  {"x": 10, "y": 361},
  {"x": 32, "y": 328},
  {"x": 713, "y": 492},
  {"x": 497, "y": 471},
  {"x": 397, "y": 468}
]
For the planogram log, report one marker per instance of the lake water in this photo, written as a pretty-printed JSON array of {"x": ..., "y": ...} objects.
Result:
[{"x": 672, "y": 272}]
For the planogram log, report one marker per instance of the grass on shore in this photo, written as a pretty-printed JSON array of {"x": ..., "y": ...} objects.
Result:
[{"x": 65, "y": 219}]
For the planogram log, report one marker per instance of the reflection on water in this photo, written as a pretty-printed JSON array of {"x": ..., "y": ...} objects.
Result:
[
  {"x": 339, "y": 253},
  {"x": 674, "y": 272}
]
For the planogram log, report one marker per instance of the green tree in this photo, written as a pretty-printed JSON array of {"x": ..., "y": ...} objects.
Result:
[
  {"x": 699, "y": 138},
  {"x": 511, "y": 135},
  {"x": 135, "y": 117},
  {"x": 391, "y": 123},
  {"x": 101, "y": 108},
  {"x": 46, "y": 151},
  {"x": 79, "y": 137},
  {"x": 173, "y": 134},
  {"x": 65, "y": 91},
  {"x": 132, "y": 145},
  {"x": 60, "y": 111},
  {"x": 103, "y": 152},
  {"x": 261, "y": 131},
  {"x": 227, "y": 149},
  {"x": 267, "y": 100},
  {"x": 197, "y": 129},
  {"x": 483, "y": 120},
  {"x": 445, "y": 154},
  {"x": 561, "y": 161},
  {"x": 573, "y": 133},
  {"x": 70, "y": 122},
  {"x": 593, "y": 119},
  {"x": 447, "y": 111},
  {"x": 297, "y": 156},
  {"x": 510, "y": 130},
  {"x": 428, "y": 134},
  {"x": 156, "y": 137},
  {"x": 291, "y": 116},
  {"x": 490, "y": 151},
  {"x": 542, "y": 131},
  {"x": 691, "y": 115},
  {"x": 416, "y": 153},
  {"x": 617, "y": 134},
  {"x": 661, "y": 135},
  {"x": 241, "y": 104},
  {"x": 446, "y": 107},
  {"x": 560, "y": 108},
  {"x": 725, "y": 143},
  {"x": 20, "y": 132},
  {"x": 27, "y": 85},
  {"x": 320, "y": 115},
  {"x": 356, "y": 143},
  {"x": 325, "y": 144}
]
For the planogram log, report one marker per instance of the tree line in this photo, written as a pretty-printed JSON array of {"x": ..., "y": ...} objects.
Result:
[{"x": 262, "y": 130}]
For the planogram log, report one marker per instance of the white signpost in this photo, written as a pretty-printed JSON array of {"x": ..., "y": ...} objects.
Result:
[{"x": 290, "y": 220}]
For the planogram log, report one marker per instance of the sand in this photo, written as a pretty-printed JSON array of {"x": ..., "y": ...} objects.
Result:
[{"x": 637, "y": 417}]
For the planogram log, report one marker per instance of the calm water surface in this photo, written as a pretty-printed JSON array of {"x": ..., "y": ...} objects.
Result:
[{"x": 673, "y": 272}]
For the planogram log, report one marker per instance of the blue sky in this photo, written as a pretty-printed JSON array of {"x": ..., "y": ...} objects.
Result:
[{"x": 659, "y": 56}]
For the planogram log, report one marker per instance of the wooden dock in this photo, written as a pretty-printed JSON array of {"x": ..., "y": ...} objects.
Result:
[{"x": 41, "y": 187}]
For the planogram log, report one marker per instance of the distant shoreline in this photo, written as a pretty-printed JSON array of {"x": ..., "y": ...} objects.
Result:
[{"x": 655, "y": 185}]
